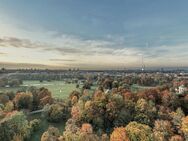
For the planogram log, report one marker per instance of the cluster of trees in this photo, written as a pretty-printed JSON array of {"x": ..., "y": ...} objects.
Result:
[
  {"x": 15, "y": 127},
  {"x": 56, "y": 112},
  {"x": 109, "y": 82},
  {"x": 118, "y": 115},
  {"x": 10, "y": 82},
  {"x": 31, "y": 100},
  {"x": 48, "y": 76},
  {"x": 115, "y": 115}
]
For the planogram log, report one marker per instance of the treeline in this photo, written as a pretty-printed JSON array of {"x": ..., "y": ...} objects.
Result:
[
  {"x": 109, "y": 82},
  {"x": 46, "y": 76},
  {"x": 7, "y": 82}
]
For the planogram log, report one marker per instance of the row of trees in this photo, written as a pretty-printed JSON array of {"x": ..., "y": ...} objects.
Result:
[
  {"x": 31, "y": 100},
  {"x": 10, "y": 82}
]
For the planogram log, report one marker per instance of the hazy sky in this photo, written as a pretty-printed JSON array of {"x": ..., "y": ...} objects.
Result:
[{"x": 93, "y": 34}]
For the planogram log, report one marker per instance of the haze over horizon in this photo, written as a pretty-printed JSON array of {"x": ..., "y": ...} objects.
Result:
[{"x": 100, "y": 34}]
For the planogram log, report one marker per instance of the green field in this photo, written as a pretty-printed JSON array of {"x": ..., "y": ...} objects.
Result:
[
  {"x": 59, "y": 89},
  {"x": 135, "y": 88}
]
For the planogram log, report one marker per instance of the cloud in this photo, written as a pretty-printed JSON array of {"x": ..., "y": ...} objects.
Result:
[
  {"x": 25, "y": 65},
  {"x": 2, "y": 53},
  {"x": 64, "y": 45},
  {"x": 62, "y": 60},
  {"x": 73, "y": 51},
  {"x": 19, "y": 43}
]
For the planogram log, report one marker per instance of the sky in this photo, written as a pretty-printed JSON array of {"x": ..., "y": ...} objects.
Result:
[{"x": 93, "y": 34}]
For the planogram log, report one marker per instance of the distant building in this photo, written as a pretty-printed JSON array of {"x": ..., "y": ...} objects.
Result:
[{"x": 181, "y": 89}]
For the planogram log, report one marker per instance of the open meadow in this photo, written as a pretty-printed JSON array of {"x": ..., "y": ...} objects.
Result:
[{"x": 59, "y": 89}]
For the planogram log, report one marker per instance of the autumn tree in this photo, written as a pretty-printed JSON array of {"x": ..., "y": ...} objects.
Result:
[
  {"x": 23, "y": 100},
  {"x": 4, "y": 98},
  {"x": 52, "y": 134},
  {"x": 9, "y": 106},
  {"x": 138, "y": 132},
  {"x": 14, "y": 123},
  {"x": 184, "y": 127},
  {"x": 119, "y": 134},
  {"x": 146, "y": 112},
  {"x": 176, "y": 138},
  {"x": 34, "y": 124},
  {"x": 162, "y": 130},
  {"x": 55, "y": 112},
  {"x": 44, "y": 96},
  {"x": 86, "y": 133},
  {"x": 176, "y": 118},
  {"x": 72, "y": 131}
]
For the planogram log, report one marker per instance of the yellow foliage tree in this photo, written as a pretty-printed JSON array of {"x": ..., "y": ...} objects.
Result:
[
  {"x": 119, "y": 134},
  {"x": 139, "y": 132},
  {"x": 184, "y": 127}
]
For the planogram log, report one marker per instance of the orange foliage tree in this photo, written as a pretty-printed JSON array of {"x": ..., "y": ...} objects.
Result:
[{"x": 119, "y": 134}]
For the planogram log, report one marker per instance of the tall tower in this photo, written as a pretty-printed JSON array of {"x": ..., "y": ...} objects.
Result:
[{"x": 143, "y": 66}]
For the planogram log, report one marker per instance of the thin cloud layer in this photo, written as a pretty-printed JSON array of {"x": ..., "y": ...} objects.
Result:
[{"x": 74, "y": 52}]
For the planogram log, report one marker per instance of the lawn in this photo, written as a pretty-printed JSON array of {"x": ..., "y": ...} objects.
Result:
[
  {"x": 135, "y": 88},
  {"x": 59, "y": 89}
]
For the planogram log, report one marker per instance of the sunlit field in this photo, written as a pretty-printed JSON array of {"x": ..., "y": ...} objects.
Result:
[{"x": 59, "y": 89}]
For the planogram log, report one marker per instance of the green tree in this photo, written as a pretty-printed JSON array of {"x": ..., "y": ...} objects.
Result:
[
  {"x": 13, "y": 124},
  {"x": 23, "y": 100},
  {"x": 55, "y": 113},
  {"x": 52, "y": 134}
]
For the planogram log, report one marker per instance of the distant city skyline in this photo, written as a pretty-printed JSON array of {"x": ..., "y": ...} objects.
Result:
[{"x": 99, "y": 34}]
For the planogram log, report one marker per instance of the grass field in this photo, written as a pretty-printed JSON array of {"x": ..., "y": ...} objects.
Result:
[
  {"x": 135, "y": 88},
  {"x": 59, "y": 89}
]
